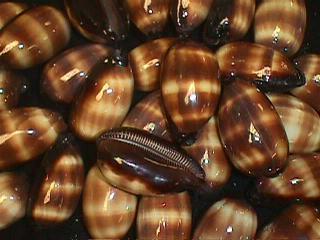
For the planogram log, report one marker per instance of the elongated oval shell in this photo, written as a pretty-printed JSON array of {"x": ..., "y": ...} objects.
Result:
[
  {"x": 25, "y": 133},
  {"x": 268, "y": 68},
  {"x": 309, "y": 64},
  {"x": 227, "y": 219},
  {"x": 56, "y": 193},
  {"x": 301, "y": 123},
  {"x": 33, "y": 37},
  {"x": 165, "y": 217},
  {"x": 64, "y": 75},
  {"x": 104, "y": 101},
  {"x": 9, "y": 10},
  {"x": 146, "y": 61},
  {"x": 108, "y": 212},
  {"x": 14, "y": 189},
  {"x": 251, "y": 130},
  {"x": 281, "y": 24},
  {"x": 228, "y": 20},
  {"x": 142, "y": 163}
]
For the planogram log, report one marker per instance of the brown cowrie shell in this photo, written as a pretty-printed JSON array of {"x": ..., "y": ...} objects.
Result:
[
  {"x": 149, "y": 115},
  {"x": 299, "y": 180},
  {"x": 301, "y": 123},
  {"x": 251, "y": 130},
  {"x": 208, "y": 151},
  {"x": 189, "y": 14},
  {"x": 281, "y": 24},
  {"x": 57, "y": 189},
  {"x": 14, "y": 188},
  {"x": 190, "y": 94},
  {"x": 165, "y": 217},
  {"x": 9, "y": 10},
  {"x": 309, "y": 64},
  {"x": 296, "y": 222},
  {"x": 227, "y": 219},
  {"x": 25, "y": 133},
  {"x": 33, "y": 37},
  {"x": 104, "y": 101},
  {"x": 228, "y": 20},
  {"x": 64, "y": 75},
  {"x": 146, "y": 61},
  {"x": 269, "y": 69},
  {"x": 107, "y": 211},
  {"x": 149, "y": 16}
]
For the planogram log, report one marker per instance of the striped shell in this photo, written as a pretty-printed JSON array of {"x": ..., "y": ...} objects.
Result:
[
  {"x": 146, "y": 61},
  {"x": 281, "y": 24},
  {"x": 107, "y": 211},
  {"x": 227, "y": 219},
  {"x": 9, "y": 10},
  {"x": 104, "y": 101},
  {"x": 251, "y": 130},
  {"x": 268, "y": 68},
  {"x": 64, "y": 75},
  {"x": 166, "y": 217},
  {"x": 148, "y": 115},
  {"x": 14, "y": 189},
  {"x": 26, "y": 133},
  {"x": 296, "y": 222},
  {"x": 309, "y": 64},
  {"x": 299, "y": 180},
  {"x": 149, "y": 16},
  {"x": 190, "y": 86},
  {"x": 142, "y": 163},
  {"x": 228, "y": 20},
  {"x": 56, "y": 193},
  {"x": 301, "y": 123},
  {"x": 33, "y": 37}
]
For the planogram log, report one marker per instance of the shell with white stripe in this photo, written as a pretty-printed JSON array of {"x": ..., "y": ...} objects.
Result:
[{"x": 9, "y": 10}]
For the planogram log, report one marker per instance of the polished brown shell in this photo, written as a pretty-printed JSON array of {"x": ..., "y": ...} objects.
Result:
[
  {"x": 165, "y": 217},
  {"x": 9, "y": 10},
  {"x": 107, "y": 211},
  {"x": 281, "y": 24},
  {"x": 64, "y": 75},
  {"x": 251, "y": 130},
  {"x": 33, "y": 37}
]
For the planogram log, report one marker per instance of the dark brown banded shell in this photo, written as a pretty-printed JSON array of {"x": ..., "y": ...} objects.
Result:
[
  {"x": 142, "y": 163},
  {"x": 251, "y": 130},
  {"x": 269, "y": 69},
  {"x": 9, "y": 10}
]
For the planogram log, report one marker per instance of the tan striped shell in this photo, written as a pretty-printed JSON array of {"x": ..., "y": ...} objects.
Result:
[
  {"x": 281, "y": 24},
  {"x": 301, "y": 123},
  {"x": 309, "y": 64},
  {"x": 227, "y": 219},
  {"x": 251, "y": 130},
  {"x": 33, "y": 37},
  {"x": 164, "y": 217},
  {"x": 146, "y": 61},
  {"x": 9, "y": 10},
  {"x": 104, "y": 102},
  {"x": 14, "y": 189},
  {"x": 108, "y": 212},
  {"x": 64, "y": 75},
  {"x": 26, "y": 133}
]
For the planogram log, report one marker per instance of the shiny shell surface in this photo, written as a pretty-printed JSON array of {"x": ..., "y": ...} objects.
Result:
[{"x": 9, "y": 10}]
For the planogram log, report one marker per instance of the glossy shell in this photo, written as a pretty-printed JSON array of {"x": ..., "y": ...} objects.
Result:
[
  {"x": 64, "y": 75},
  {"x": 14, "y": 188},
  {"x": 108, "y": 211},
  {"x": 9, "y": 10},
  {"x": 228, "y": 20},
  {"x": 142, "y": 163},
  {"x": 166, "y": 217},
  {"x": 33, "y": 37},
  {"x": 281, "y": 24},
  {"x": 268, "y": 68},
  {"x": 227, "y": 219},
  {"x": 26, "y": 133},
  {"x": 146, "y": 61},
  {"x": 310, "y": 65},
  {"x": 301, "y": 123},
  {"x": 251, "y": 130},
  {"x": 104, "y": 101}
]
